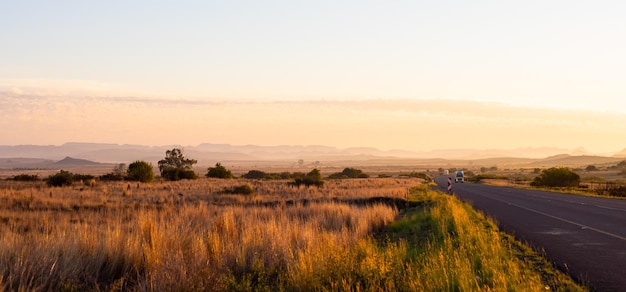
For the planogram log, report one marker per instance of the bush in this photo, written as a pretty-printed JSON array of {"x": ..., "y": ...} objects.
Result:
[
  {"x": 557, "y": 177},
  {"x": 349, "y": 173},
  {"x": 25, "y": 177},
  {"x": 61, "y": 178},
  {"x": 140, "y": 171},
  {"x": 255, "y": 174},
  {"x": 314, "y": 177},
  {"x": 219, "y": 171}
]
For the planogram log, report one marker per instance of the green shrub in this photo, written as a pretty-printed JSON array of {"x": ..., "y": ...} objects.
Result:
[
  {"x": 219, "y": 171},
  {"x": 557, "y": 177},
  {"x": 140, "y": 171},
  {"x": 61, "y": 178}
]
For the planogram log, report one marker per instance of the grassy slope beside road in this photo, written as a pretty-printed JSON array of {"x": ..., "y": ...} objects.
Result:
[{"x": 452, "y": 247}]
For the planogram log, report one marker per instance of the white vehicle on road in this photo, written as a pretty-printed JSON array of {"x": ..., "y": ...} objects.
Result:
[{"x": 459, "y": 176}]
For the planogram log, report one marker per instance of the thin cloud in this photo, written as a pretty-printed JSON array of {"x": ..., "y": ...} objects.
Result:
[{"x": 384, "y": 123}]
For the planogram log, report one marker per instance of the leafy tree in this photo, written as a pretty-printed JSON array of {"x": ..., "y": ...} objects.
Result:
[
  {"x": 140, "y": 171},
  {"x": 557, "y": 177},
  {"x": 349, "y": 173},
  {"x": 314, "y": 177},
  {"x": 219, "y": 171},
  {"x": 61, "y": 178},
  {"x": 176, "y": 166},
  {"x": 591, "y": 168},
  {"x": 255, "y": 174}
]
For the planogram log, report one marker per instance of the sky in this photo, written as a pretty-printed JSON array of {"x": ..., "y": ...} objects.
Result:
[{"x": 412, "y": 75}]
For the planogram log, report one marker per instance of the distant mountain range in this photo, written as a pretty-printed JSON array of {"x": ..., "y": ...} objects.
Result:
[{"x": 92, "y": 154}]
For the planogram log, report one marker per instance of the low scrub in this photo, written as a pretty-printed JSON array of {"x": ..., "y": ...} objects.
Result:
[
  {"x": 484, "y": 176},
  {"x": 25, "y": 177},
  {"x": 349, "y": 172},
  {"x": 556, "y": 177}
]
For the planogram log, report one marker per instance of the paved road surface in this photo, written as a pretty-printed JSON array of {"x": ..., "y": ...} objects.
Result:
[{"x": 584, "y": 235}]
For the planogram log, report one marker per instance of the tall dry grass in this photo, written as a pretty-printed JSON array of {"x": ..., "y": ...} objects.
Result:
[{"x": 181, "y": 235}]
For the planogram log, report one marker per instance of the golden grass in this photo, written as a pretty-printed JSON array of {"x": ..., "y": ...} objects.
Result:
[
  {"x": 178, "y": 235},
  {"x": 188, "y": 236}
]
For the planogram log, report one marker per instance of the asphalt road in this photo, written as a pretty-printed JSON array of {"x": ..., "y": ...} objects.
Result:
[{"x": 585, "y": 236}]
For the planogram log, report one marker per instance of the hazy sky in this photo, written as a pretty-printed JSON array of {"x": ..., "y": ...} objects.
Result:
[{"x": 415, "y": 75}]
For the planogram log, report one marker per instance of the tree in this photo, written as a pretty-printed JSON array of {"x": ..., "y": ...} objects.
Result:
[
  {"x": 591, "y": 168},
  {"x": 61, "y": 178},
  {"x": 176, "y": 167},
  {"x": 557, "y": 177},
  {"x": 140, "y": 171},
  {"x": 219, "y": 171}
]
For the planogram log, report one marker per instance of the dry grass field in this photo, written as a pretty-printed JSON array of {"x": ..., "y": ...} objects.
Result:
[{"x": 190, "y": 236}]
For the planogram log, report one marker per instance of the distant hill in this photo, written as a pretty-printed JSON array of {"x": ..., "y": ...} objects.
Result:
[
  {"x": 18, "y": 162},
  {"x": 581, "y": 160},
  {"x": 207, "y": 154},
  {"x": 621, "y": 154},
  {"x": 68, "y": 161}
]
